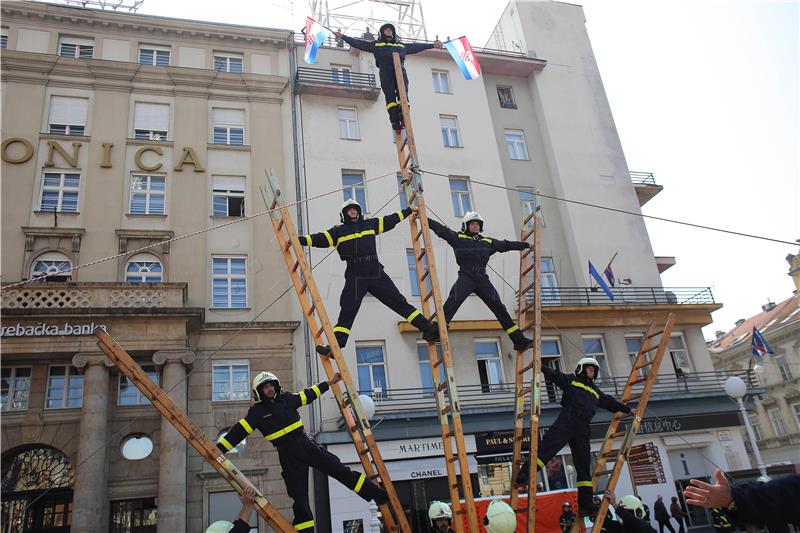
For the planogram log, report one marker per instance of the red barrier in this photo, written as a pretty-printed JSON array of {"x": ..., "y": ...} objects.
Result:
[{"x": 548, "y": 510}]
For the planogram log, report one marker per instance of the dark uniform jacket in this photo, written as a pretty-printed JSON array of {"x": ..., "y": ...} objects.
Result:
[
  {"x": 240, "y": 526},
  {"x": 581, "y": 396},
  {"x": 566, "y": 520},
  {"x": 355, "y": 239},
  {"x": 278, "y": 419},
  {"x": 774, "y": 503},
  {"x": 630, "y": 524},
  {"x": 720, "y": 519},
  {"x": 473, "y": 251},
  {"x": 383, "y": 50}
]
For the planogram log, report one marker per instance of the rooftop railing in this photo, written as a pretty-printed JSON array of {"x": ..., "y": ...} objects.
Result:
[
  {"x": 580, "y": 296},
  {"x": 642, "y": 178},
  {"x": 336, "y": 77}
]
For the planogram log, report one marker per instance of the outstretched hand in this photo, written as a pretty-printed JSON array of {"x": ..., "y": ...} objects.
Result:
[
  {"x": 414, "y": 209},
  {"x": 437, "y": 44},
  {"x": 337, "y": 34},
  {"x": 612, "y": 498},
  {"x": 709, "y": 496}
]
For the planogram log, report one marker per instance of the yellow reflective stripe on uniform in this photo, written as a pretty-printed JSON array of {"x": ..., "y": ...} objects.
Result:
[
  {"x": 354, "y": 236},
  {"x": 584, "y": 483},
  {"x": 316, "y": 390},
  {"x": 330, "y": 239},
  {"x": 340, "y": 329},
  {"x": 380, "y": 225},
  {"x": 390, "y": 44},
  {"x": 303, "y": 399},
  {"x": 540, "y": 463},
  {"x": 413, "y": 315},
  {"x": 247, "y": 427},
  {"x": 304, "y": 525},
  {"x": 462, "y": 236},
  {"x": 401, "y": 215},
  {"x": 308, "y": 240},
  {"x": 391, "y": 105},
  {"x": 512, "y": 329},
  {"x": 585, "y": 387},
  {"x": 487, "y": 240},
  {"x": 228, "y": 445},
  {"x": 284, "y": 431},
  {"x": 359, "y": 484}
]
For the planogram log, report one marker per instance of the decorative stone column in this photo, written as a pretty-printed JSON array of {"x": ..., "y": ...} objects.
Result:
[
  {"x": 89, "y": 501},
  {"x": 173, "y": 447}
]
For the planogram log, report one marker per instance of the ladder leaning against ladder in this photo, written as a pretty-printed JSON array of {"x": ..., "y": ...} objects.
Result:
[
  {"x": 620, "y": 455},
  {"x": 446, "y": 392},
  {"x": 188, "y": 429},
  {"x": 525, "y": 393},
  {"x": 319, "y": 324}
]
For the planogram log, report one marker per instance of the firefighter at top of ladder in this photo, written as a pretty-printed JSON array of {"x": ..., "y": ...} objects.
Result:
[
  {"x": 579, "y": 402},
  {"x": 275, "y": 415},
  {"x": 354, "y": 240},
  {"x": 382, "y": 49},
  {"x": 473, "y": 250}
]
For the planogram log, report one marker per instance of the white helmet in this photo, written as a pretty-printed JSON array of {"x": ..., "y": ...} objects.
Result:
[
  {"x": 634, "y": 505},
  {"x": 439, "y": 510},
  {"x": 220, "y": 526},
  {"x": 350, "y": 203},
  {"x": 260, "y": 379},
  {"x": 587, "y": 361},
  {"x": 500, "y": 518},
  {"x": 470, "y": 217}
]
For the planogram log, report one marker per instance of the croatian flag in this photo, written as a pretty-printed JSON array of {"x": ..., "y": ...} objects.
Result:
[
  {"x": 600, "y": 281},
  {"x": 316, "y": 34},
  {"x": 609, "y": 274},
  {"x": 464, "y": 57},
  {"x": 759, "y": 345}
]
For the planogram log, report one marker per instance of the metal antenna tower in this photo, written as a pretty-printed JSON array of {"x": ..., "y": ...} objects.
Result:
[
  {"x": 354, "y": 17},
  {"x": 131, "y": 6}
]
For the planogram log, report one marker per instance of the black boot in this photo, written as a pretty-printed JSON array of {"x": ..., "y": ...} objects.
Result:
[
  {"x": 521, "y": 342},
  {"x": 522, "y": 476},
  {"x": 431, "y": 332},
  {"x": 324, "y": 350}
]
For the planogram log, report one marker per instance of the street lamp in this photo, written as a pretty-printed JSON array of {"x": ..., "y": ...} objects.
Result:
[{"x": 736, "y": 389}]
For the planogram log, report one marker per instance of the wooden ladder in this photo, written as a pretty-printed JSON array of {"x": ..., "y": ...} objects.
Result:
[
  {"x": 320, "y": 326},
  {"x": 529, "y": 278},
  {"x": 447, "y": 405},
  {"x": 620, "y": 455},
  {"x": 188, "y": 429}
]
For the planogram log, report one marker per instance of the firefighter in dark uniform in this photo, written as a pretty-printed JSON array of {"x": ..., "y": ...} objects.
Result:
[
  {"x": 275, "y": 415},
  {"x": 473, "y": 251},
  {"x": 567, "y": 518},
  {"x": 382, "y": 49},
  {"x": 720, "y": 520},
  {"x": 440, "y": 517},
  {"x": 579, "y": 401},
  {"x": 354, "y": 239}
]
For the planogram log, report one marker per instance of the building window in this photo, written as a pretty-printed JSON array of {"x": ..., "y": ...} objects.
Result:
[
  {"x": 60, "y": 192},
  {"x": 75, "y": 48},
  {"x": 147, "y": 195},
  {"x": 150, "y": 121},
  {"x": 594, "y": 347},
  {"x": 229, "y": 283},
  {"x": 506, "y": 96},
  {"x": 449, "y": 126},
  {"x": 56, "y": 266},
  {"x": 348, "y": 123},
  {"x": 4, "y": 39},
  {"x": 136, "y": 447},
  {"x": 776, "y": 419},
  {"x": 515, "y": 141},
  {"x": 756, "y": 425},
  {"x": 527, "y": 199},
  {"x": 371, "y": 370},
  {"x": 228, "y": 196},
  {"x": 441, "y": 81},
  {"x": 403, "y": 199},
  {"x": 154, "y": 57},
  {"x": 15, "y": 385},
  {"x": 460, "y": 196},
  {"x": 340, "y": 74},
  {"x": 679, "y": 355},
  {"x": 796, "y": 411},
  {"x": 224, "y": 505},
  {"x": 144, "y": 268},
  {"x": 490, "y": 368},
  {"x": 353, "y": 188},
  {"x": 550, "y": 294},
  {"x": 634, "y": 344},
  {"x": 129, "y": 394},
  {"x": 425, "y": 373},
  {"x": 236, "y": 449},
  {"x": 67, "y": 115},
  {"x": 231, "y": 381},
  {"x": 783, "y": 367},
  {"x": 64, "y": 388},
  {"x": 228, "y": 126},
  {"x": 412, "y": 273},
  {"x": 129, "y": 516},
  {"x": 228, "y": 62}
]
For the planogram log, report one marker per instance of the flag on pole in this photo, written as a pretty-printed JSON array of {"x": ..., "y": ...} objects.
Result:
[
  {"x": 600, "y": 281},
  {"x": 316, "y": 34},
  {"x": 609, "y": 274},
  {"x": 759, "y": 345},
  {"x": 464, "y": 57}
]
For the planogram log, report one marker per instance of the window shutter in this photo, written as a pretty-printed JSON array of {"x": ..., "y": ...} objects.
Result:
[
  {"x": 229, "y": 117},
  {"x": 151, "y": 117},
  {"x": 228, "y": 183},
  {"x": 67, "y": 110}
]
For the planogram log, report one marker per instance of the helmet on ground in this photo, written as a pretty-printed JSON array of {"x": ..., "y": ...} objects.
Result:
[
  {"x": 260, "y": 379},
  {"x": 220, "y": 526},
  {"x": 500, "y": 518},
  {"x": 382, "y": 37},
  {"x": 470, "y": 217},
  {"x": 439, "y": 510},
  {"x": 345, "y": 206},
  {"x": 634, "y": 505},
  {"x": 587, "y": 361}
]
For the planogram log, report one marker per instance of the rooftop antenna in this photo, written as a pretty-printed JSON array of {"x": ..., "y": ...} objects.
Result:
[{"x": 352, "y": 15}]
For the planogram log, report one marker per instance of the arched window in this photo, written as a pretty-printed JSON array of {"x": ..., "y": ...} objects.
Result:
[
  {"x": 143, "y": 268},
  {"x": 56, "y": 266}
]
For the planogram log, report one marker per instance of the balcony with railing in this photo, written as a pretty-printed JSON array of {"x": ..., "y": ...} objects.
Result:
[
  {"x": 645, "y": 185},
  {"x": 623, "y": 295},
  {"x": 336, "y": 82}
]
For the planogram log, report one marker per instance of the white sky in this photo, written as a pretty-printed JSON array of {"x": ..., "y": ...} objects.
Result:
[{"x": 704, "y": 94}]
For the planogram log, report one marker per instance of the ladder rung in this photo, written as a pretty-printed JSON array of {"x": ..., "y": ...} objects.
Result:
[
  {"x": 650, "y": 349},
  {"x": 603, "y": 473},
  {"x": 646, "y": 363},
  {"x": 527, "y": 326},
  {"x": 441, "y": 386},
  {"x": 287, "y": 246},
  {"x": 312, "y": 309},
  {"x": 524, "y": 391},
  {"x": 610, "y": 455},
  {"x": 421, "y": 254},
  {"x": 526, "y": 253},
  {"x": 280, "y": 224},
  {"x": 524, "y": 413},
  {"x": 452, "y": 459},
  {"x": 656, "y": 334},
  {"x": 365, "y": 451},
  {"x": 418, "y": 234},
  {"x": 527, "y": 367},
  {"x": 404, "y": 143},
  {"x": 626, "y": 415},
  {"x": 295, "y": 266},
  {"x": 425, "y": 274},
  {"x": 439, "y": 361},
  {"x": 404, "y": 160},
  {"x": 632, "y": 398},
  {"x": 449, "y": 434},
  {"x": 303, "y": 288},
  {"x": 638, "y": 380},
  {"x": 620, "y": 433},
  {"x": 427, "y": 296},
  {"x": 527, "y": 287},
  {"x": 527, "y": 307},
  {"x": 353, "y": 428},
  {"x": 373, "y": 477},
  {"x": 320, "y": 331},
  {"x": 527, "y": 269},
  {"x": 447, "y": 409}
]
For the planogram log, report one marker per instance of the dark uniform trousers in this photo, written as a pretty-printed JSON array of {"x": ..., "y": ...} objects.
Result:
[
  {"x": 476, "y": 281},
  {"x": 390, "y": 91}
]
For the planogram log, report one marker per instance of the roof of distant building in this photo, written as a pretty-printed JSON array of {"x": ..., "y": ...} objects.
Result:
[{"x": 768, "y": 321}]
